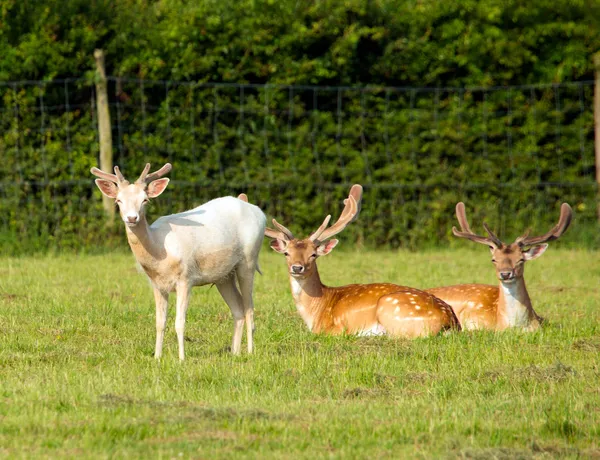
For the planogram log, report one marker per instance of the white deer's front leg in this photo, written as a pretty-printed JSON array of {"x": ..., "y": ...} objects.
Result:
[
  {"x": 162, "y": 302},
  {"x": 232, "y": 297},
  {"x": 183, "y": 299},
  {"x": 246, "y": 280}
]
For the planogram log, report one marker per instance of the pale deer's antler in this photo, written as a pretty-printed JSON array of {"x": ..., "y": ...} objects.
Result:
[
  {"x": 566, "y": 214},
  {"x": 146, "y": 178},
  {"x": 117, "y": 178},
  {"x": 349, "y": 214},
  {"x": 466, "y": 232}
]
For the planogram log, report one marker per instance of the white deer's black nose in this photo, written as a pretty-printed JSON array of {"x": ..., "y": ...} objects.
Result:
[{"x": 297, "y": 268}]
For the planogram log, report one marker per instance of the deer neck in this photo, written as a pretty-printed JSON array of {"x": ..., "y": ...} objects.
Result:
[
  {"x": 514, "y": 305},
  {"x": 143, "y": 243},
  {"x": 310, "y": 296}
]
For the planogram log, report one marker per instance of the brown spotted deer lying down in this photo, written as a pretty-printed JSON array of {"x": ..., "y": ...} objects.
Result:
[
  {"x": 363, "y": 309},
  {"x": 481, "y": 306},
  {"x": 216, "y": 243}
]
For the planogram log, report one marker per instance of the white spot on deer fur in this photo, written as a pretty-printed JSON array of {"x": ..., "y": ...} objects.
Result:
[
  {"x": 389, "y": 299},
  {"x": 395, "y": 301},
  {"x": 418, "y": 307},
  {"x": 397, "y": 309},
  {"x": 430, "y": 312}
]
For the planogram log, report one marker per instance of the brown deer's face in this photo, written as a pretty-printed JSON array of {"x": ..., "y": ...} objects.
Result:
[
  {"x": 510, "y": 259},
  {"x": 301, "y": 255}
]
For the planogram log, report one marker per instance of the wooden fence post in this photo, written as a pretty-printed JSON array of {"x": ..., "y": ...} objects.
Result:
[{"x": 104, "y": 129}]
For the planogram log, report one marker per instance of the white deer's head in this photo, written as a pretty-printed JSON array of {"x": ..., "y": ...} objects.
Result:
[{"x": 132, "y": 197}]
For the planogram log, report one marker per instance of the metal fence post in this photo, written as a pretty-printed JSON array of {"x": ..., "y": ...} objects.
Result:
[{"x": 104, "y": 129}]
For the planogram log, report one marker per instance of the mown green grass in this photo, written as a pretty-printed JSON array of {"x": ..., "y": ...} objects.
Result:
[{"x": 78, "y": 377}]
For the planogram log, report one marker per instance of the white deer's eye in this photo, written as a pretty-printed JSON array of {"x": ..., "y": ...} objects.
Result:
[{"x": 146, "y": 201}]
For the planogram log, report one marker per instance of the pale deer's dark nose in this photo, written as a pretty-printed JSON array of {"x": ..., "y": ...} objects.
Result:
[
  {"x": 297, "y": 268},
  {"x": 506, "y": 275},
  {"x": 132, "y": 219}
]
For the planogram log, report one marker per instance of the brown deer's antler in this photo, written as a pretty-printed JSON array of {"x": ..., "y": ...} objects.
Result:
[
  {"x": 349, "y": 214},
  {"x": 146, "y": 178},
  {"x": 281, "y": 234},
  {"x": 566, "y": 214},
  {"x": 467, "y": 233},
  {"x": 323, "y": 233}
]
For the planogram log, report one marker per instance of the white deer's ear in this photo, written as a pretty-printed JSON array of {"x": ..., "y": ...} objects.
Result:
[
  {"x": 278, "y": 245},
  {"x": 107, "y": 187},
  {"x": 156, "y": 187},
  {"x": 535, "y": 251},
  {"x": 326, "y": 248}
]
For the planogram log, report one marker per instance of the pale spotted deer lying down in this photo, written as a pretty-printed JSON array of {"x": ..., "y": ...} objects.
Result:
[
  {"x": 481, "y": 306},
  {"x": 216, "y": 243},
  {"x": 363, "y": 309}
]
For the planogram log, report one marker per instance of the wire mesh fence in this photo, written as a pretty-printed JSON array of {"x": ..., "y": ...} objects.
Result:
[{"x": 511, "y": 153}]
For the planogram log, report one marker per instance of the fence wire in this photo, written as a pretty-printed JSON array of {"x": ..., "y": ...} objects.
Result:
[{"x": 511, "y": 153}]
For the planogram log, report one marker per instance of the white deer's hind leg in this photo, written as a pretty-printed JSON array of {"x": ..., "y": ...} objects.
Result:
[
  {"x": 233, "y": 299},
  {"x": 183, "y": 299},
  {"x": 246, "y": 280},
  {"x": 162, "y": 302}
]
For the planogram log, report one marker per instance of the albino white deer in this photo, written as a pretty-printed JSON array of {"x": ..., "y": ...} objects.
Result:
[
  {"x": 481, "y": 306},
  {"x": 362, "y": 309},
  {"x": 215, "y": 243}
]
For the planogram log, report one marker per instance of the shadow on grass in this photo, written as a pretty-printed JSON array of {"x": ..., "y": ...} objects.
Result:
[{"x": 192, "y": 412}]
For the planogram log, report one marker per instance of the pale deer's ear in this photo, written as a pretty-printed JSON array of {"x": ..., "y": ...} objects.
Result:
[
  {"x": 107, "y": 187},
  {"x": 326, "y": 248},
  {"x": 535, "y": 251},
  {"x": 278, "y": 245},
  {"x": 156, "y": 187}
]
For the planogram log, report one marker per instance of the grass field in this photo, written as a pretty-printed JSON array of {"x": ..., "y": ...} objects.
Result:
[{"x": 78, "y": 377}]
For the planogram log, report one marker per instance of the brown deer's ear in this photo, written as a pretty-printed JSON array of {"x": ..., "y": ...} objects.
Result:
[
  {"x": 107, "y": 187},
  {"x": 535, "y": 251},
  {"x": 156, "y": 187},
  {"x": 278, "y": 245},
  {"x": 326, "y": 248}
]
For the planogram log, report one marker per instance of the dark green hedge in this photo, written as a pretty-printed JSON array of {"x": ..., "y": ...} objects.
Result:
[
  {"x": 490, "y": 135},
  {"x": 391, "y": 43}
]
